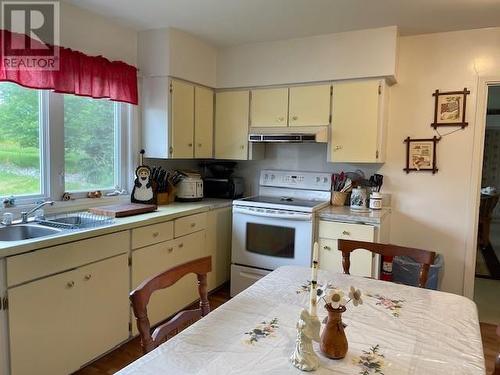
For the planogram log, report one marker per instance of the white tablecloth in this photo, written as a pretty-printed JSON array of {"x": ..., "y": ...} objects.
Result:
[{"x": 397, "y": 330}]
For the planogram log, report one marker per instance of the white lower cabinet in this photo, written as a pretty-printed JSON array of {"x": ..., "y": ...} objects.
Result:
[
  {"x": 152, "y": 260},
  {"x": 219, "y": 228},
  {"x": 104, "y": 306},
  {"x": 59, "y": 323},
  {"x": 330, "y": 258}
]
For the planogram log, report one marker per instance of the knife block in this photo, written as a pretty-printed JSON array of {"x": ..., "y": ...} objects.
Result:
[{"x": 163, "y": 198}]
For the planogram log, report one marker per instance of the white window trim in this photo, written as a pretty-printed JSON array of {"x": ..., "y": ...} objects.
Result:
[
  {"x": 43, "y": 142},
  {"x": 51, "y": 120}
]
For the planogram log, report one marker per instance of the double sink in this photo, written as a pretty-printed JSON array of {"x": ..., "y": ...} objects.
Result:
[
  {"x": 36, "y": 229},
  {"x": 19, "y": 232}
]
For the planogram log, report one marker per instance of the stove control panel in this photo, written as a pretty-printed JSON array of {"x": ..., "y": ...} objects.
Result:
[{"x": 297, "y": 180}]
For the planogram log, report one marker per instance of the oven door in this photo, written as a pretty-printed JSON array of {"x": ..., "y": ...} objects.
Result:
[{"x": 268, "y": 238}]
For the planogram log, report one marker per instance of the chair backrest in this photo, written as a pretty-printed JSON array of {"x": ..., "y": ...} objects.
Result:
[
  {"x": 487, "y": 205},
  {"x": 424, "y": 257},
  {"x": 141, "y": 295}
]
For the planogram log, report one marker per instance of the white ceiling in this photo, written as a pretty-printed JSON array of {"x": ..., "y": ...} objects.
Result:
[{"x": 230, "y": 22}]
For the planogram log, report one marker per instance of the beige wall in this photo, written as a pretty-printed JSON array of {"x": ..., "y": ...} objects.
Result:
[
  {"x": 431, "y": 211},
  {"x": 355, "y": 54},
  {"x": 172, "y": 52},
  {"x": 97, "y": 35}
]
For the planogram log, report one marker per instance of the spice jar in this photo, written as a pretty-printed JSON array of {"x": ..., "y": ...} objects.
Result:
[{"x": 376, "y": 201}]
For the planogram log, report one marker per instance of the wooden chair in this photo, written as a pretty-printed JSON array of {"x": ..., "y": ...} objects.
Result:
[
  {"x": 141, "y": 295},
  {"x": 496, "y": 371},
  {"x": 486, "y": 207},
  {"x": 424, "y": 257}
]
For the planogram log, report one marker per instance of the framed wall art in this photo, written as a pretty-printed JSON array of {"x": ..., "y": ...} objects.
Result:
[
  {"x": 449, "y": 108},
  {"x": 421, "y": 155}
]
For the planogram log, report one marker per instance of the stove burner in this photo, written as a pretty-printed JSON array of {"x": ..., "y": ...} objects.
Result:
[{"x": 286, "y": 199}]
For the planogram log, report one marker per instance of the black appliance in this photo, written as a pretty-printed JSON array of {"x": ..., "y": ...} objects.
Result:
[{"x": 227, "y": 188}]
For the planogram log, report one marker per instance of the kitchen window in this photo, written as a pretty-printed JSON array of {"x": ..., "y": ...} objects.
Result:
[
  {"x": 21, "y": 146},
  {"x": 53, "y": 143},
  {"x": 91, "y": 144}
]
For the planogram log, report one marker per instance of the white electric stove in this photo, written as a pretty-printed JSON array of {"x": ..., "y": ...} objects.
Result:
[{"x": 277, "y": 226}]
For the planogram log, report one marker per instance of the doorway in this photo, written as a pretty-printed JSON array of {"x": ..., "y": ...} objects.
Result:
[{"x": 487, "y": 267}]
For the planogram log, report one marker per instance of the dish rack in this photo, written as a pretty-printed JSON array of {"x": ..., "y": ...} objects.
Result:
[{"x": 77, "y": 220}]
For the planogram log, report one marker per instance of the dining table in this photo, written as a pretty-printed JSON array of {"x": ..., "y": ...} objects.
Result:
[{"x": 397, "y": 329}]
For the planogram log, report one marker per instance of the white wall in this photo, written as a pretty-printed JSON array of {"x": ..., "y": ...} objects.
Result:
[
  {"x": 172, "y": 52},
  {"x": 295, "y": 157},
  {"x": 430, "y": 211},
  {"x": 192, "y": 58},
  {"x": 357, "y": 54},
  {"x": 97, "y": 35}
]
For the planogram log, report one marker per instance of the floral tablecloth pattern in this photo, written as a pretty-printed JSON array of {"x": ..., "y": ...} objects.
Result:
[{"x": 254, "y": 333}]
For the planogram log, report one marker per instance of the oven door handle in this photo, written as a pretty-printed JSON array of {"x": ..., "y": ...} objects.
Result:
[{"x": 294, "y": 216}]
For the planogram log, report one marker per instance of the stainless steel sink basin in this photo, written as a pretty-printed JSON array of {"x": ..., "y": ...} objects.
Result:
[{"x": 19, "y": 232}]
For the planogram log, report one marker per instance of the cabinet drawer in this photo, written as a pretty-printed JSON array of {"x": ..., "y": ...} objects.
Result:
[
  {"x": 43, "y": 262},
  {"x": 345, "y": 231},
  {"x": 152, "y": 234},
  {"x": 190, "y": 224}
]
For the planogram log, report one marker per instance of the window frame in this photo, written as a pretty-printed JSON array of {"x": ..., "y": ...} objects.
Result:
[{"x": 51, "y": 141}]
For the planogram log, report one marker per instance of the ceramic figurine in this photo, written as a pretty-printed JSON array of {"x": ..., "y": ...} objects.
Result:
[
  {"x": 308, "y": 326},
  {"x": 143, "y": 191},
  {"x": 304, "y": 357},
  {"x": 144, "y": 187}
]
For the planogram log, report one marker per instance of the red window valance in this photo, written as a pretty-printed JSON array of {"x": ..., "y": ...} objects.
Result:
[{"x": 76, "y": 73}]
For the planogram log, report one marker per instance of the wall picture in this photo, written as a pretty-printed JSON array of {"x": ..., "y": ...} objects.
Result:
[
  {"x": 421, "y": 155},
  {"x": 449, "y": 108}
]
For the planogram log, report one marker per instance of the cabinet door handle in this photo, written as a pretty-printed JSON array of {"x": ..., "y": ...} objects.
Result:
[
  {"x": 327, "y": 248},
  {"x": 199, "y": 144},
  {"x": 281, "y": 119},
  {"x": 88, "y": 277},
  {"x": 70, "y": 284},
  {"x": 338, "y": 147},
  {"x": 346, "y": 233},
  {"x": 170, "y": 249},
  {"x": 295, "y": 118},
  {"x": 181, "y": 245},
  {"x": 242, "y": 147},
  {"x": 193, "y": 225},
  {"x": 156, "y": 234},
  {"x": 190, "y": 144}
]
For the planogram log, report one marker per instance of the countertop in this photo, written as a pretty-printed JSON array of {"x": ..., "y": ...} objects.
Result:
[
  {"x": 345, "y": 214},
  {"x": 164, "y": 213}
]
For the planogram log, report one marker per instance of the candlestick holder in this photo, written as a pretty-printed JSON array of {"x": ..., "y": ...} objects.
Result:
[{"x": 304, "y": 357}]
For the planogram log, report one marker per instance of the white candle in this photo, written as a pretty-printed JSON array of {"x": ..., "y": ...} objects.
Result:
[{"x": 314, "y": 280}]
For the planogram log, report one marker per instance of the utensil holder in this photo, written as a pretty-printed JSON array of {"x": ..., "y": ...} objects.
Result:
[
  {"x": 162, "y": 198},
  {"x": 339, "y": 198}
]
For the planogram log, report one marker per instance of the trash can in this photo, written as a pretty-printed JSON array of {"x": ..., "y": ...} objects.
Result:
[{"x": 406, "y": 271}]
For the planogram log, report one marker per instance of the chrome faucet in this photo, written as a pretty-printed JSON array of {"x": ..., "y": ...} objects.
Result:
[{"x": 25, "y": 215}]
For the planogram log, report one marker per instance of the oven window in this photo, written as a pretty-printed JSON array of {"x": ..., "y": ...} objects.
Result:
[{"x": 271, "y": 240}]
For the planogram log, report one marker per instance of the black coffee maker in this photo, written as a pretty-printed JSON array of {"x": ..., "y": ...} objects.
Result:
[{"x": 220, "y": 183}]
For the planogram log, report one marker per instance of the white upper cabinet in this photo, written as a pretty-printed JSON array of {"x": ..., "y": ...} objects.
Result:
[
  {"x": 203, "y": 122},
  {"x": 269, "y": 107},
  {"x": 359, "y": 122},
  {"x": 182, "y": 119},
  {"x": 309, "y": 105},
  {"x": 231, "y": 124}
]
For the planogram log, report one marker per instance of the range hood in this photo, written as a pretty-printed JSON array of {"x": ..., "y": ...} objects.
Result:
[{"x": 316, "y": 134}]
